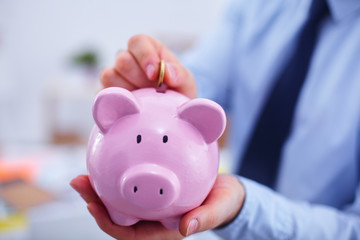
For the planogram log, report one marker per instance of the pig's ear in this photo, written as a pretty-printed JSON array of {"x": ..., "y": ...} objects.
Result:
[
  {"x": 205, "y": 115},
  {"x": 111, "y": 104}
]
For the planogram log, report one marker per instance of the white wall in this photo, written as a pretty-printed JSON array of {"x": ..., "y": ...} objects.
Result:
[{"x": 38, "y": 37}]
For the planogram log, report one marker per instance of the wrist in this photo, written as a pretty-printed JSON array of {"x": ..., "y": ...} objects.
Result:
[{"x": 238, "y": 200}]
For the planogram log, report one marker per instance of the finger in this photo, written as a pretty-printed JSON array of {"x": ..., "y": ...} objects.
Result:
[
  {"x": 147, "y": 49},
  {"x": 155, "y": 230},
  {"x": 221, "y": 206},
  {"x": 110, "y": 78},
  {"x": 103, "y": 220},
  {"x": 141, "y": 230},
  {"x": 127, "y": 67},
  {"x": 146, "y": 54},
  {"x": 82, "y": 185},
  {"x": 179, "y": 78}
]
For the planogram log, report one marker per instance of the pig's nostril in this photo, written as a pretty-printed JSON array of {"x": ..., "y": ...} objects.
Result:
[
  {"x": 135, "y": 189},
  {"x": 161, "y": 191}
]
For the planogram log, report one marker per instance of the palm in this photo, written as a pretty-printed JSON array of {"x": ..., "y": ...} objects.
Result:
[
  {"x": 141, "y": 230},
  {"x": 222, "y": 204},
  {"x": 152, "y": 230}
]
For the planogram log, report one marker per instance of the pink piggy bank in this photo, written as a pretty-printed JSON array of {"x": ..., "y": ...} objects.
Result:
[{"x": 153, "y": 156}]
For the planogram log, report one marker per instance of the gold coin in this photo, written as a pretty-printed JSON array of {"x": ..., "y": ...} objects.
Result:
[{"x": 162, "y": 73}]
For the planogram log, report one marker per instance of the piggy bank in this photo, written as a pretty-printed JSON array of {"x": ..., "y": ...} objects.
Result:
[{"x": 152, "y": 155}]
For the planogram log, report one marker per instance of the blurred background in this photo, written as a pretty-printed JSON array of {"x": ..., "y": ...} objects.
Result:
[{"x": 51, "y": 56}]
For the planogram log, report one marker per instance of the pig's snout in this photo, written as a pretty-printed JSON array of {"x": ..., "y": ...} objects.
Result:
[{"x": 150, "y": 186}]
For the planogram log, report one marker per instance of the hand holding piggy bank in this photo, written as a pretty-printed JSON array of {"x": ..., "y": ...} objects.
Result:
[{"x": 153, "y": 156}]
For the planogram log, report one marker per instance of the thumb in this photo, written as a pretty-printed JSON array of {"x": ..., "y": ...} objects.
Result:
[{"x": 222, "y": 205}]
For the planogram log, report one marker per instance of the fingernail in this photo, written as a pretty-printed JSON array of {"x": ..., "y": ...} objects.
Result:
[
  {"x": 172, "y": 72},
  {"x": 150, "y": 70},
  {"x": 192, "y": 227}
]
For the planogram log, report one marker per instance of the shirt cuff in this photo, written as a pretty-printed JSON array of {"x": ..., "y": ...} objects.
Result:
[{"x": 255, "y": 220}]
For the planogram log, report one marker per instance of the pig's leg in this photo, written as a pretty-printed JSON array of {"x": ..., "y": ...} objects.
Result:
[
  {"x": 122, "y": 219},
  {"x": 171, "y": 223}
]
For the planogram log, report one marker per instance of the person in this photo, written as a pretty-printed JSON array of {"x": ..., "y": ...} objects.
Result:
[{"x": 316, "y": 192}]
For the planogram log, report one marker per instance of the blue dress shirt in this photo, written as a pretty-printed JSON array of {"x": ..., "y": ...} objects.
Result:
[{"x": 317, "y": 195}]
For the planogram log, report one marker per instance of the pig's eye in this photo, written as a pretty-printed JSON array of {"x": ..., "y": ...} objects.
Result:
[
  {"x": 165, "y": 139},
  {"x": 138, "y": 138}
]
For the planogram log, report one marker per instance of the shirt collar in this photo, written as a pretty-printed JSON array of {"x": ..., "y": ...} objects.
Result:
[{"x": 340, "y": 9}]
